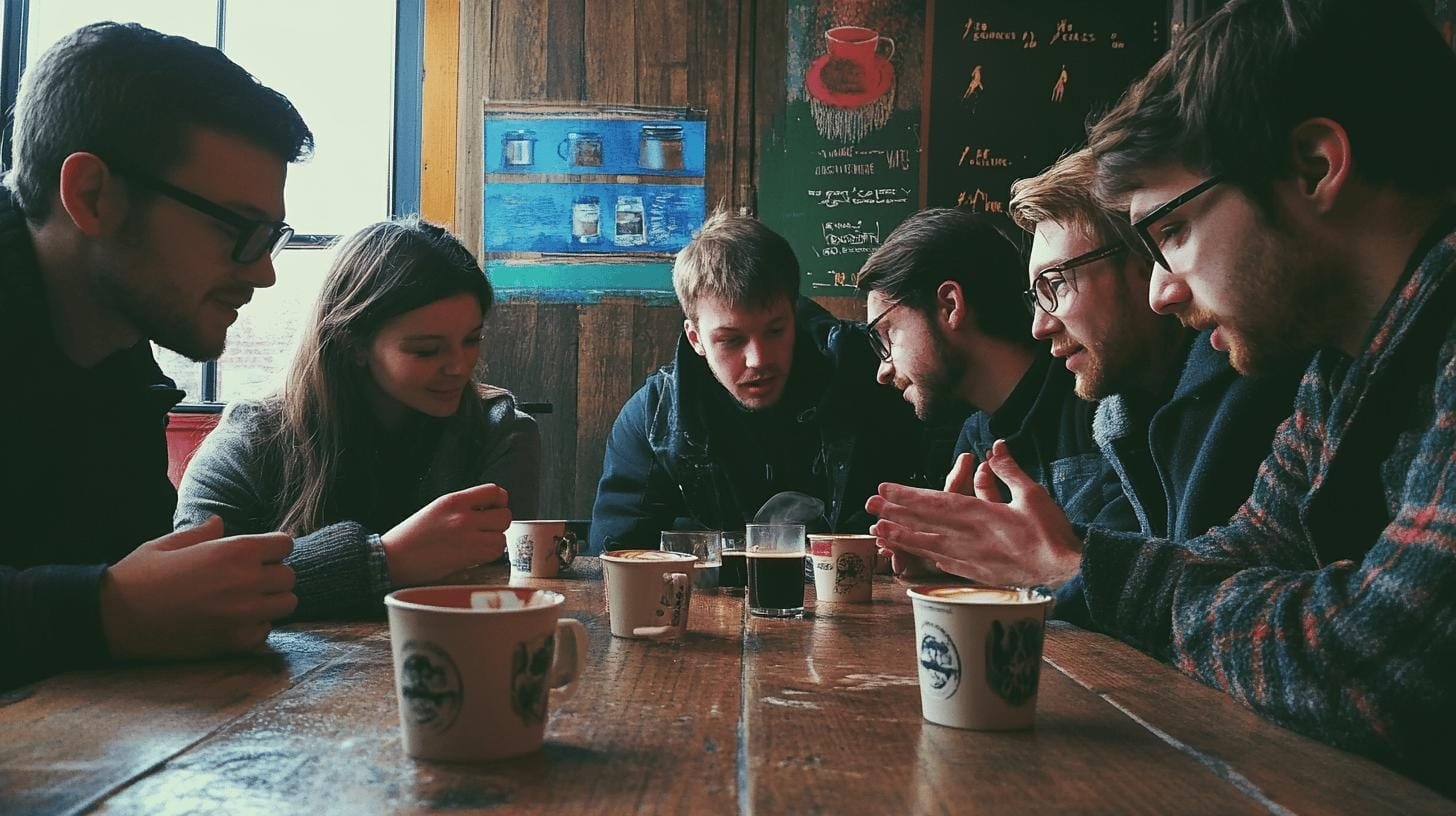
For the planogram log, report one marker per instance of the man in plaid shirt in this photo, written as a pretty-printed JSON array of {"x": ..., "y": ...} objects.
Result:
[{"x": 1295, "y": 200}]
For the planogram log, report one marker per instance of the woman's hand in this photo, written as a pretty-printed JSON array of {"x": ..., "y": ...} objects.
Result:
[{"x": 455, "y": 531}]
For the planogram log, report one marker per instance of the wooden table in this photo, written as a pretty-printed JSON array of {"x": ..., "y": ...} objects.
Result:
[{"x": 745, "y": 715}]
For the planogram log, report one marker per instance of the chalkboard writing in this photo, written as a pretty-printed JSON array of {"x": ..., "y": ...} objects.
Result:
[
  {"x": 1014, "y": 82},
  {"x": 841, "y": 167}
]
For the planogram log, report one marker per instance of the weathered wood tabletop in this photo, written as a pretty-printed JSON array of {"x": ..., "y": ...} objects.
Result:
[{"x": 744, "y": 715}]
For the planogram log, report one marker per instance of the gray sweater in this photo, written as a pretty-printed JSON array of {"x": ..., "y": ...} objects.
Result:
[{"x": 341, "y": 568}]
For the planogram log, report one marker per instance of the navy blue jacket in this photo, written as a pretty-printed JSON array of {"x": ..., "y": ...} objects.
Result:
[
  {"x": 679, "y": 455},
  {"x": 1048, "y": 430},
  {"x": 1191, "y": 464}
]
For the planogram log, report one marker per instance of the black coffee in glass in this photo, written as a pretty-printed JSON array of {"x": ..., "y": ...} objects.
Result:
[
  {"x": 734, "y": 573},
  {"x": 776, "y": 584}
]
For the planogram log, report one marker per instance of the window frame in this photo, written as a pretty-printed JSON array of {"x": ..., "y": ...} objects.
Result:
[{"x": 405, "y": 144}]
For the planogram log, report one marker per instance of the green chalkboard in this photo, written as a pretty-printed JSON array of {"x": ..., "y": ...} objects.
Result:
[{"x": 841, "y": 166}]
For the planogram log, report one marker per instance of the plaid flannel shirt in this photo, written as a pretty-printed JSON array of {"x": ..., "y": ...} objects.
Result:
[{"x": 1328, "y": 603}]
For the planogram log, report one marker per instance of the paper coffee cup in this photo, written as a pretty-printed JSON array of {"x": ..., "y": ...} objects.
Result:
[
  {"x": 978, "y": 650},
  {"x": 648, "y": 592},
  {"x": 843, "y": 567},
  {"x": 540, "y": 549}
]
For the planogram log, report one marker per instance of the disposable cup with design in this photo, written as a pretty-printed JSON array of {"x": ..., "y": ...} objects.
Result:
[
  {"x": 705, "y": 546},
  {"x": 540, "y": 549},
  {"x": 475, "y": 667},
  {"x": 776, "y": 570},
  {"x": 648, "y": 592},
  {"x": 979, "y": 654},
  {"x": 843, "y": 567}
]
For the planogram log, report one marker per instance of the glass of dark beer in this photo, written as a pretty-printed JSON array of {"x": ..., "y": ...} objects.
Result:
[
  {"x": 776, "y": 570},
  {"x": 733, "y": 578}
]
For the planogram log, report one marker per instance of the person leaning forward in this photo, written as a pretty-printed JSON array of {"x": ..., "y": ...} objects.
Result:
[
  {"x": 144, "y": 205},
  {"x": 1300, "y": 208},
  {"x": 767, "y": 393}
]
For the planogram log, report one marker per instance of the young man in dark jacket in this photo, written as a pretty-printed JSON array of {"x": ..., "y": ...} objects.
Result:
[
  {"x": 767, "y": 393},
  {"x": 144, "y": 205}
]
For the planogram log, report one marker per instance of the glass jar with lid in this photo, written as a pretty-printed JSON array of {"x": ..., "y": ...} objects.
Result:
[
  {"x": 518, "y": 148},
  {"x": 660, "y": 147},
  {"x": 586, "y": 220},
  {"x": 584, "y": 149},
  {"x": 631, "y": 221}
]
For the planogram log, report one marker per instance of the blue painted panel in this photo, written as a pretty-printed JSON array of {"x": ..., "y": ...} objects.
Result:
[
  {"x": 580, "y": 282},
  {"x": 538, "y": 217},
  {"x": 621, "y": 139}
]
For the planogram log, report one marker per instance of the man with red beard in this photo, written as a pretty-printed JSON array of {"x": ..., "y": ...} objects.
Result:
[{"x": 1183, "y": 431}]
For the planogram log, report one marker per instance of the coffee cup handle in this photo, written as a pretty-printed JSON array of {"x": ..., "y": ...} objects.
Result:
[
  {"x": 567, "y": 546},
  {"x": 565, "y": 678},
  {"x": 678, "y": 584},
  {"x": 892, "y": 46}
]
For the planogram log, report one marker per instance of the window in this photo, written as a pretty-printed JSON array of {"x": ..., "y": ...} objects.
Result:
[{"x": 351, "y": 68}]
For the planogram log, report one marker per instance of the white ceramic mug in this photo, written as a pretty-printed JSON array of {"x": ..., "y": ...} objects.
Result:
[
  {"x": 474, "y": 667},
  {"x": 978, "y": 650},
  {"x": 844, "y": 567},
  {"x": 540, "y": 549},
  {"x": 648, "y": 592}
]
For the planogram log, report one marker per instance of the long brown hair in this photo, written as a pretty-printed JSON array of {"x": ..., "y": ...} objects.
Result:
[{"x": 380, "y": 272}]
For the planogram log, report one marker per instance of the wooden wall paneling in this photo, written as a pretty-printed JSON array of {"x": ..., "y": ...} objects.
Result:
[
  {"x": 518, "y": 50},
  {"x": 604, "y": 380},
  {"x": 474, "y": 85},
  {"x": 611, "y": 52},
  {"x": 566, "y": 50},
  {"x": 440, "y": 111},
  {"x": 654, "y": 340},
  {"x": 770, "y": 57},
  {"x": 662, "y": 52},
  {"x": 746, "y": 132},
  {"x": 844, "y": 307},
  {"x": 712, "y": 80},
  {"x": 530, "y": 348}
]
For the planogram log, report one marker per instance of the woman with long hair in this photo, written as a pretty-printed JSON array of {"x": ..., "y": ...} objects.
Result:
[{"x": 380, "y": 454}]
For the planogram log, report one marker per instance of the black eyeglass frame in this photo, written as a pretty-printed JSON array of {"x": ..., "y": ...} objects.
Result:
[
  {"x": 880, "y": 345},
  {"x": 248, "y": 248},
  {"x": 1040, "y": 293},
  {"x": 1142, "y": 225}
]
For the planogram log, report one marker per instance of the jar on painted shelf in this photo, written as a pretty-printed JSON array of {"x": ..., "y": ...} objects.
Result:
[
  {"x": 586, "y": 220},
  {"x": 518, "y": 148},
  {"x": 583, "y": 149},
  {"x": 631, "y": 221},
  {"x": 660, "y": 147}
]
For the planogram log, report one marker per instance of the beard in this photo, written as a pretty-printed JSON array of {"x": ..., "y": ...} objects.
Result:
[
  {"x": 1284, "y": 300},
  {"x": 156, "y": 310},
  {"x": 938, "y": 385}
]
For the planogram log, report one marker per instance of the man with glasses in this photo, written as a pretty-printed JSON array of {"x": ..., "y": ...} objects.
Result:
[
  {"x": 144, "y": 206},
  {"x": 1295, "y": 206},
  {"x": 768, "y": 393},
  {"x": 1183, "y": 431},
  {"x": 947, "y": 318}
]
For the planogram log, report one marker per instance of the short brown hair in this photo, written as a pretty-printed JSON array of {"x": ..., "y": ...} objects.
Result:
[
  {"x": 738, "y": 260},
  {"x": 130, "y": 92},
  {"x": 1063, "y": 194}
]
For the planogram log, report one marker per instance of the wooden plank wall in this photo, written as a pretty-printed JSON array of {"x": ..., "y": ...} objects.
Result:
[{"x": 588, "y": 358}]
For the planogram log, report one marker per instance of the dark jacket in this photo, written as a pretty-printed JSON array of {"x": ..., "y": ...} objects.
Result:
[
  {"x": 682, "y": 454},
  {"x": 1186, "y": 465},
  {"x": 1328, "y": 602},
  {"x": 83, "y": 472},
  {"x": 1048, "y": 430}
]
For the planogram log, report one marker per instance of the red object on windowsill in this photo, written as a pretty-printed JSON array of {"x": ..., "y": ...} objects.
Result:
[{"x": 185, "y": 433}]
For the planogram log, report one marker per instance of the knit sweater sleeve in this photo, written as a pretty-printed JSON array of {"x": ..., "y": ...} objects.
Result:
[
  {"x": 514, "y": 462},
  {"x": 339, "y": 570}
]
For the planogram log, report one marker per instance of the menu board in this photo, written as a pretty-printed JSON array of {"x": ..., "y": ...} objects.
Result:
[
  {"x": 1015, "y": 82},
  {"x": 841, "y": 166}
]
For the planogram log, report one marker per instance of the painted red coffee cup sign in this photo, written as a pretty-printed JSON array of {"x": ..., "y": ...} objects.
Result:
[{"x": 857, "y": 44}]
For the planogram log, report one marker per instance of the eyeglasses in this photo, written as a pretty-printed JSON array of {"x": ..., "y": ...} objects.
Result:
[
  {"x": 255, "y": 237},
  {"x": 1144, "y": 226},
  {"x": 1055, "y": 282},
  {"x": 877, "y": 342}
]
